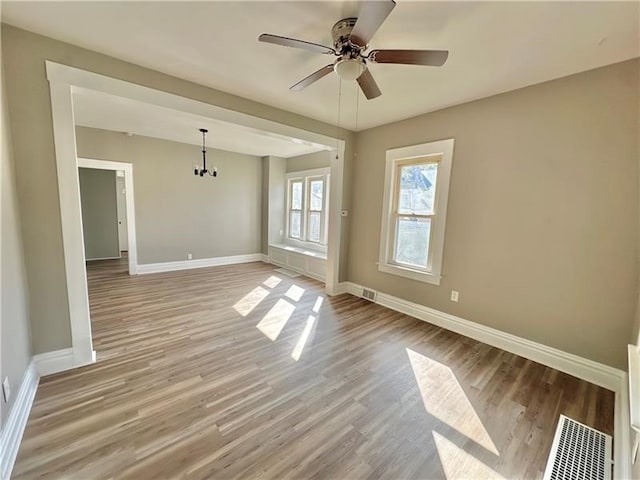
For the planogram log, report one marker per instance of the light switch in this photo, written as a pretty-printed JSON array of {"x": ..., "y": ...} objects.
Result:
[{"x": 6, "y": 390}]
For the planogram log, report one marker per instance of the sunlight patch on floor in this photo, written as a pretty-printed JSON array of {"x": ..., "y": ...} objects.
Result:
[
  {"x": 318, "y": 304},
  {"x": 444, "y": 398},
  {"x": 275, "y": 319},
  {"x": 272, "y": 281},
  {"x": 251, "y": 300},
  {"x": 294, "y": 293},
  {"x": 458, "y": 464},
  {"x": 304, "y": 338}
]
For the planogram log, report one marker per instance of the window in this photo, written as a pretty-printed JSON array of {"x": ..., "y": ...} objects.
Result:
[
  {"x": 295, "y": 209},
  {"x": 307, "y": 203},
  {"x": 415, "y": 206}
]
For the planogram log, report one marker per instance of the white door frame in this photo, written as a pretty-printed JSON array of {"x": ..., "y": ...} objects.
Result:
[
  {"x": 62, "y": 81},
  {"x": 127, "y": 168},
  {"x": 122, "y": 211}
]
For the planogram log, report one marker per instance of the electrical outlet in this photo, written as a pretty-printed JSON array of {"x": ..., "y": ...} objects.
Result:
[
  {"x": 454, "y": 295},
  {"x": 6, "y": 391},
  {"x": 189, "y": 256}
]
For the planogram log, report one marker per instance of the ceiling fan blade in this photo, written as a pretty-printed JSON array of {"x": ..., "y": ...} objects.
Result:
[
  {"x": 372, "y": 15},
  {"x": 315, "y": 76},
  {"x": 292, "y": 42},
  {"x": 368, "y": 85},
  {"x": 432, "y": 58}
]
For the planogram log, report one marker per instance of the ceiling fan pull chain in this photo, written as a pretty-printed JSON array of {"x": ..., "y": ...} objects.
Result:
[
  {"x": 338, "y": 123},
  {"x": 357, "y": 105}
]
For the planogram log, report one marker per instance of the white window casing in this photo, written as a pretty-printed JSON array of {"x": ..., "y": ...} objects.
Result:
[
  {"x": 440, "y": 152},
  {"x": 305, "y": 178}
]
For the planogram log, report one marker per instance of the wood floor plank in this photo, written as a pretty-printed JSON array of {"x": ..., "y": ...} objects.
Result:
[{"x": 242, "y": 372}]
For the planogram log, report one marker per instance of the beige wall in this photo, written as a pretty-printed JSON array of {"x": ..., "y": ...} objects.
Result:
[
  {"x": 309, "y": 161},
  {"x": 176, "y": 212},
  {"x": 24, "y": 55},
  {"x": 542, "y": 227},
  {"x": 99, "y": 213},
  {"x": 15, "y": 342}
]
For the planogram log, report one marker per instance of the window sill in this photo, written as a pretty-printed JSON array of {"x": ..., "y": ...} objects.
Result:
[
  {"x": 300, "y": 250},
  {"x": 409, "y": 273},
  {"x": 302, "y": 245}
]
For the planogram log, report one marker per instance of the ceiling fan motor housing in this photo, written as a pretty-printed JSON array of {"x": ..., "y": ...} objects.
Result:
[
  {"x": 340, "y": 33},
  {"x": 350, "y": 63}
]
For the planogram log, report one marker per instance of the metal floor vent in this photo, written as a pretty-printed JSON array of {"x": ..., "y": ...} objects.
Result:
[
  {"x": 578, "y": 452},
  {"x": 369, "y": 294}
]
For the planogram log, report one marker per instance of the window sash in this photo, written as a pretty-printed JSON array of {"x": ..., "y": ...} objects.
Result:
[
  {"x": 291, "y": 212},
  {"x": 394, "y": 241},
  {"x": 311, "y": 180},
  {"x": 321, "y": 237},
  {"x": 292, "y": 182},
  {"x": 396, "y": 215}
]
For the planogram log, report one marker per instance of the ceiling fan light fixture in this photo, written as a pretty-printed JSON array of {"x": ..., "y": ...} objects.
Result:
[{"x": 349, "y": 68}]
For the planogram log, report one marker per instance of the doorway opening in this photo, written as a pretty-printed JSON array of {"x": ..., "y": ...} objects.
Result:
[{"x": 108, "y": 214}]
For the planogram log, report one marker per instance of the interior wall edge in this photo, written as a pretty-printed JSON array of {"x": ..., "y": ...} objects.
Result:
[{"x": 13, "y": 430}]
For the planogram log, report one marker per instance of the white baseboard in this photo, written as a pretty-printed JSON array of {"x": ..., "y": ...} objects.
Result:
[
  {"x": 54, "y": 362},
  {"x": 593, "y": 372},
  {"x": 597, "y": 373},
  {"x": 265, "y": 258},
  {"x": 343, "y": 287},
  {"x": 198, "y": 263},
  {"x": 102, "y": 258},
  {"x": 11, "y": 435}
]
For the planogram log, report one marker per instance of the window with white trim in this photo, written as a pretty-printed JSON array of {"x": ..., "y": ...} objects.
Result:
[
  {"x": 414, "y": 212},
  {"x": 307, "y": 204}
]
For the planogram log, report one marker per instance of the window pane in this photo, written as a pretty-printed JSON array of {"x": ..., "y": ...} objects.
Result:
[
  {"x": 296, "y": 195},
  {"x": 294, "y": 224},
  {"x": 314, "y": 226},
  {"x": 417, "y": 189},
  {"x": 412, "y": 241},
  {"x": 315, "y": 195}
]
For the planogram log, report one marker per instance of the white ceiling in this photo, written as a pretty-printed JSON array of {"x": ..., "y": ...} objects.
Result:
[
  {"x": 109, "y": 112},
  {"x": 494, "y": 47}
]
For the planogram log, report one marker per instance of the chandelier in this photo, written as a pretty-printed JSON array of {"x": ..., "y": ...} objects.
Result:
[{"x": 203, "y": 171}]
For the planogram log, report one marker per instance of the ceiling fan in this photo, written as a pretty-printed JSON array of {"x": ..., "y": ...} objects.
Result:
[{"x": 351, "y": 37}]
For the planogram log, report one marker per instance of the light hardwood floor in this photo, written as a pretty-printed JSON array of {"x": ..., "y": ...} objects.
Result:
[{"x": 242, "y": 372}]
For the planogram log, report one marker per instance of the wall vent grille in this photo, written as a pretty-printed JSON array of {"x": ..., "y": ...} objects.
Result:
[
  {"x": 578, "y": 452},
  {"x": 369, "y": 294}
]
